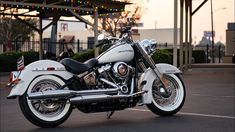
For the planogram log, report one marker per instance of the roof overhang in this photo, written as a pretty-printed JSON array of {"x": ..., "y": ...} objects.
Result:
[{"x": 51, "y": 8}]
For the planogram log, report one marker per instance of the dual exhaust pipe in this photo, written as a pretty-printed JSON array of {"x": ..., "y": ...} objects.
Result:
[{"x": 99, "y": 98}]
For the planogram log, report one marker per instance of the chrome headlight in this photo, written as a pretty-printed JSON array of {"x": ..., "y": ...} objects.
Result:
[{"x": 149, "y": 46}]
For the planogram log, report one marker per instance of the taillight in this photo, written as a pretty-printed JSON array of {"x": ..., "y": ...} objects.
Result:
[
  {"x": 16, "y": 81},
  {"x": 14, "y": 77}
]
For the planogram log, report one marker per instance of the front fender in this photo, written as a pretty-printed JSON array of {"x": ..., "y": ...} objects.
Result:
[
  {"x": 167, "y": 69},
  {"x": 147, "y": 78},
  {"x": 145, "y": 84},
  {"x": 35, "y": 69}
]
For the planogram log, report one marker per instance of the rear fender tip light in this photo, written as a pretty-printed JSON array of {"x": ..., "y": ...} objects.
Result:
[{"x": 50, "y": 68}]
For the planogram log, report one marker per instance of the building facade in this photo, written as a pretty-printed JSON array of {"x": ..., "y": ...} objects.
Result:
[{"x": 230, "y": 39}]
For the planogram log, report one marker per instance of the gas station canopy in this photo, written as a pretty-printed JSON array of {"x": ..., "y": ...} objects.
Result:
[
  {"x": 58, "y": 8},
  {"x": 51, "y": 8}
]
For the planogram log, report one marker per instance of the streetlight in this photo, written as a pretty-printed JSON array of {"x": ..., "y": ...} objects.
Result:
[
  {"x": 218, "y": 9},
  {"x": 222, "y": 8},
  {"x": 212, "y": 31},
  {"x": 212, "y": 34}
]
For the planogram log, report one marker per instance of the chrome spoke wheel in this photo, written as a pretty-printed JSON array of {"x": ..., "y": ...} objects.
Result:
[
  {"x": 170, "y": 100},
  {"x": 47, "y": 109}
]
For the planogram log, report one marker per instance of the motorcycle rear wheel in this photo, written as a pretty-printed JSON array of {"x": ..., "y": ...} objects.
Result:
[
  {"x": 167, "y": 106},
  {"x": 45, "y": 113}
]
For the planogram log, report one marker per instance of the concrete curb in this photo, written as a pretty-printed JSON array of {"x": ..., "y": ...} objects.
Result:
[
  {"x": 4, "y": 73},
  {"x": 216, "y": 65}
]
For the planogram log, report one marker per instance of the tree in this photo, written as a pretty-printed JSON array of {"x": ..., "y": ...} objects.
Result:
[
  {"x": 12, "y": 29},
  {"x": 204, "y": 42},
  {"x": 112, "y": 22},
  {"x": 219, "y": 49}
]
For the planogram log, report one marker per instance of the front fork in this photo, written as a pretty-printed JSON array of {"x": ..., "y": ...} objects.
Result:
[
  {"x": 164, "y": 83},
  {"x": 151, "y": 63}
]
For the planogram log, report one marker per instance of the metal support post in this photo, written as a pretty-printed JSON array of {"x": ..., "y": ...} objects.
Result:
[
  {"x": 207, "y": 53},
  {"x": 175, "y": 32},
  {"x": 181, "y": 33},
  {"x": 212, "y": 35},
  {"x": 54, "y": 46},
  {"x": 190, "y": 34},
  {"x": 219, "y": 52},
  {"x": 96, "y": 32},
  {"x": 186, "y": 35},
  {"x": 40, "y": 39}
]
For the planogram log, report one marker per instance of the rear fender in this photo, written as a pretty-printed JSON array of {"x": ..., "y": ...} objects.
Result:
[{"x": 35, "y": 69}]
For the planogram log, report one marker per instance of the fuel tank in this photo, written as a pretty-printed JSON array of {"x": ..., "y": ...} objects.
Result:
[{"x": 121, "y": 52}]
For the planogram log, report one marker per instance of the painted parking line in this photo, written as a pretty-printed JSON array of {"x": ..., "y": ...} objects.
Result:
[
  {"x": 191, "y": 114},
  {"x": 204, "y": 95}
]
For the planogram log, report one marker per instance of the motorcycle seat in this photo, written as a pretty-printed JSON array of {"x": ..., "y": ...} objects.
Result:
[{"x": 76, "y": 67}]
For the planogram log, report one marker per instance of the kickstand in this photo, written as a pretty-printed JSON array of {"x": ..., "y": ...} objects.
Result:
[{"x": 109, "y": 114}]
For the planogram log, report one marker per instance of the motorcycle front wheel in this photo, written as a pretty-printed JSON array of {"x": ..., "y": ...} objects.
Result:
[
  {"x": 170, "y": 104},
  {"x": 47, "y": 112}
]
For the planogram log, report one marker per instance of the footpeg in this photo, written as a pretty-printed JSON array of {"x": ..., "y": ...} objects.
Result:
[{"x": 109, "y": 114}]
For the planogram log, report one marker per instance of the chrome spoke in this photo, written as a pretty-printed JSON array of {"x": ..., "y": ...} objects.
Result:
[{"x": 51, "y": 107}]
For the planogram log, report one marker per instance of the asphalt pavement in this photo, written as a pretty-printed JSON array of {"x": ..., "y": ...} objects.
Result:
[{"x": 209, "y": 107}]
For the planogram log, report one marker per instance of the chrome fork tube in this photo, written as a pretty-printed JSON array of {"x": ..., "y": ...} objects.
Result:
[{"x": 132, "y": 85}]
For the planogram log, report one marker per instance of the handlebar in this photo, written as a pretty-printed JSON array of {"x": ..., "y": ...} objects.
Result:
[
  {"x": 124, "y": 30},
  {"x": 125, "y": 35},
  {"x": 106, "y": 41}
]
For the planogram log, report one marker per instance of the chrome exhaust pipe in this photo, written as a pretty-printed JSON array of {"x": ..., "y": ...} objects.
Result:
[
  {"x": 50, "y": 94},
  {"x": 93, "y": 98},
  {"x": 100, "y": 98}
]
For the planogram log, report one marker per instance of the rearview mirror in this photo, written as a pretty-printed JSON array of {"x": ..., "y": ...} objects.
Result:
[{"x": 101, "y": 37}]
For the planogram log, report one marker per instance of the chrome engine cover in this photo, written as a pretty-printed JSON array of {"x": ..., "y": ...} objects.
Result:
[{"x": 120, "y": 70}]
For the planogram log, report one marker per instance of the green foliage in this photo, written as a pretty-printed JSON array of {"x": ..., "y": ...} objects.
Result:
[
  {"x": 199, "y": 56},
  {"x": 162, "y": 56},
  {"x": 85, "y": 55},
  {"x": 8, "y": 60}
]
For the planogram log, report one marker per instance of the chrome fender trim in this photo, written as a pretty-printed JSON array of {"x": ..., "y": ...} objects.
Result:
[{"x": 167, "y": 69}]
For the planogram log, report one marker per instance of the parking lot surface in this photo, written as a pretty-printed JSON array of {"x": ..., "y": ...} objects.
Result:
[{"x": 209, "y": 107}]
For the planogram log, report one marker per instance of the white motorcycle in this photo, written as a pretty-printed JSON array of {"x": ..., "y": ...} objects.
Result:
[{"x": 123, "y": 76}]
